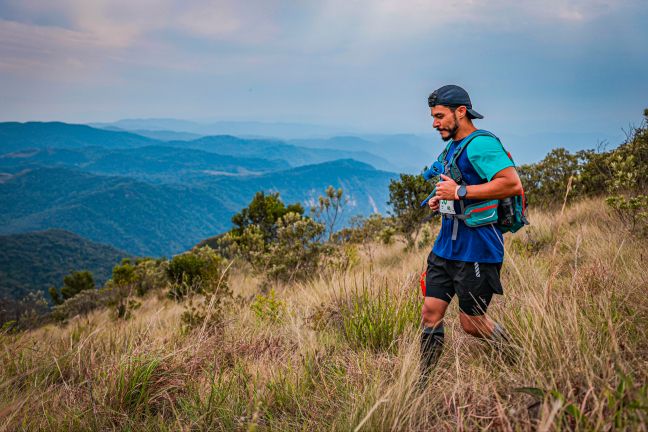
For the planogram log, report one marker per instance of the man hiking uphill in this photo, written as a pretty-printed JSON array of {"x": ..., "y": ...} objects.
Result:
[{"x": 467, "y": 256}]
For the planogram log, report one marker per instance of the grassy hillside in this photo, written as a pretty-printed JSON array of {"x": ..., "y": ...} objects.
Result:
[
  {"x": 340, "y": 352},
  {"x": 38, "y": 260}
]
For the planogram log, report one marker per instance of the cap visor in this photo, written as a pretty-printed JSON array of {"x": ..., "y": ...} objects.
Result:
[{"x": 474, "y": 114}]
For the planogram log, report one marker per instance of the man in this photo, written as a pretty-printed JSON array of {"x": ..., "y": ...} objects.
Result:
[{"x": 464, "y": 261}]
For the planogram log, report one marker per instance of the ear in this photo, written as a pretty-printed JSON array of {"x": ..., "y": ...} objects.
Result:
[{"x": 461, "y": 112}]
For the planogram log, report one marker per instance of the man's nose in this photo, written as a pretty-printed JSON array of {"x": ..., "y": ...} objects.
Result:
[{"x": 436, "y": 123}]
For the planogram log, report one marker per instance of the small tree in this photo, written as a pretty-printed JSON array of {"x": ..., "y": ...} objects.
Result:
[
  {"x": 263, "y": 212},
  {"x": 295, "y": 254},
  {"x": 73, "y": 284},
  {"x": 329, "y": 208},
  {"x": 405, "y": 197}
]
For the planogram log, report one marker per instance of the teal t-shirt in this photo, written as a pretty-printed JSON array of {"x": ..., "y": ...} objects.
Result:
[
  {"x": 487, "y": 157},
  {"x": 479, "y": 163}
]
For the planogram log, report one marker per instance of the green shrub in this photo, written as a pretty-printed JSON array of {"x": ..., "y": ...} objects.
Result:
[
  {"x": 206, "y": 310},
  {"x": 296, "y": 252},
  {"x": 628, "y": 182},
  {"x": 83, "y": 303},
  {"x": 632, "y": 211},
  {"x": 28, "y": 312},
  {"x": 200, "y": 276},
  {"x": 73, "y": 284},
  {"x": 269, "y": 308},
  {"x": 201, "y": 270},
  {"x": 367, "y": 233},
  {"x": 263, "y": 212}
]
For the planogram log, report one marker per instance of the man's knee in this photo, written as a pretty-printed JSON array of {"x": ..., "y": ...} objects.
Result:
[
  {"x": 477, "y": 326},
  {"x": 433, "y": 311}
]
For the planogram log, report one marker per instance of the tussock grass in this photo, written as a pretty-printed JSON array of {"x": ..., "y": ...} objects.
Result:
[{"x": 344, "y": 355}]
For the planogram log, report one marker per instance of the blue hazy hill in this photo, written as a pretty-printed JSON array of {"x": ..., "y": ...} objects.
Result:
[
  {"x": 165, "y": 219},
  {"x": 276, "y": 149},
  {"x": 16, "y": 136},
  {"x": 38, "y": 260},
  {"x": 156, "y": 163}
]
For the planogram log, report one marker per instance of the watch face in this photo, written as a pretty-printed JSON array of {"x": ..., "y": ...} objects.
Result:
[{"x": 462, "y": 192}]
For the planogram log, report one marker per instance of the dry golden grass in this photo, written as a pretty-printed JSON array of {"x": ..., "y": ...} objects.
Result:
[{"x": 575, "y": 302}]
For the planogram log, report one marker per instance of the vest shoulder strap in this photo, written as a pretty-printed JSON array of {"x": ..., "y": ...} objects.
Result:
[{"x": 468, "y": 140}]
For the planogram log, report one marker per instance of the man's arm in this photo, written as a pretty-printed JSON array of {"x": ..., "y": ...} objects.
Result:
[{"x": 505, "y": 183}]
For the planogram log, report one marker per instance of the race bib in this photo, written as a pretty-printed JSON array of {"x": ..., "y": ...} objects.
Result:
[{"x": 446, "y": 207}]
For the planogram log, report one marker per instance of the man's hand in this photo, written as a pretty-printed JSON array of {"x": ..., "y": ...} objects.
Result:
[
  {"x": 434, "y": 204},
  {"x": 446, "y": 189}
]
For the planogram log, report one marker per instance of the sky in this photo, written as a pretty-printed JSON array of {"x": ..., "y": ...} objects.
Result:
[{"x": 552, "y": 67}]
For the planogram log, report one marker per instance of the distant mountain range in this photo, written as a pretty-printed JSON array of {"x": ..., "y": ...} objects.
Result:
[
  {"x": 404, "y": 152},
  {"x": 407, "y": 152},
  {"x": 281, "y": 130},
  {"x": 149, "y": 197},
  {"x": 31, "y": 135},
  {"x": 154, "y": 163},
  {"x": 18, "y": 137},
  {"x": 38, "y": 260},
  {"x": 165, "y": 219}
]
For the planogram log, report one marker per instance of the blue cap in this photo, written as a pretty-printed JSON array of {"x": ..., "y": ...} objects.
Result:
[{"x": 453, "y": 96}]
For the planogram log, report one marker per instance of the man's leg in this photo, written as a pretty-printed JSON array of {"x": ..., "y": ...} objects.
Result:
[
  {"x": 477, "y": 283},
  {"x": 438, "y": 294},
  {"x": 432, "y": 336}
]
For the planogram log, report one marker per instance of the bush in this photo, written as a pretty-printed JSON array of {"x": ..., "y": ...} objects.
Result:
[
  {"x": 628, "y": 182},
  {"x": 73, "y": 284},
  {"x": 201, "y": 276},
  {"x": 293, "y": 254},
  {"x": 206, "y": 310},
  {"x": 199, "y": 271},
  {"x": 296, "y": 253},
  {"x": 263, "y": 212},
  {"x": 26, "y": 313},
  {"x": 545, "y": 182},
  {"x": 83, "y": 303},
  {"x": 269, "y": 308}
]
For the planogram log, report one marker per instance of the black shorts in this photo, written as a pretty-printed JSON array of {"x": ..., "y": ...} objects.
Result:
[{"x": 474, "y": 283}]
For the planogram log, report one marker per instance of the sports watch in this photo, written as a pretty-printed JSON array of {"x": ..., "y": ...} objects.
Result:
[{"x": 462, "y": 191}]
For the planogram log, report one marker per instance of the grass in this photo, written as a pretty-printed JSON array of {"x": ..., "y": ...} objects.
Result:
[{"x": 344, "y": 355}]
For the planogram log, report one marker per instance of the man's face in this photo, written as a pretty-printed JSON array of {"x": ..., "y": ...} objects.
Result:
[{"x": 445, "y": 121}]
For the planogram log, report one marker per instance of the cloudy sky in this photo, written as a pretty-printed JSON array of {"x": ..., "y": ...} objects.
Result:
[{"x": 531, "y": 67}]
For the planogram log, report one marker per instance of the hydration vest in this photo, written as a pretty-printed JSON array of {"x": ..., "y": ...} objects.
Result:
[{"x": 508, "y": 214}]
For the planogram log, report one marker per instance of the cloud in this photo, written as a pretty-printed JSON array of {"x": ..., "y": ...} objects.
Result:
[{"x": 240, "y": 56}]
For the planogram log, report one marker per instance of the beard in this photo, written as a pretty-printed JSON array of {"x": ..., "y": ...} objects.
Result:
[{"x": 452, "y": 130}]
